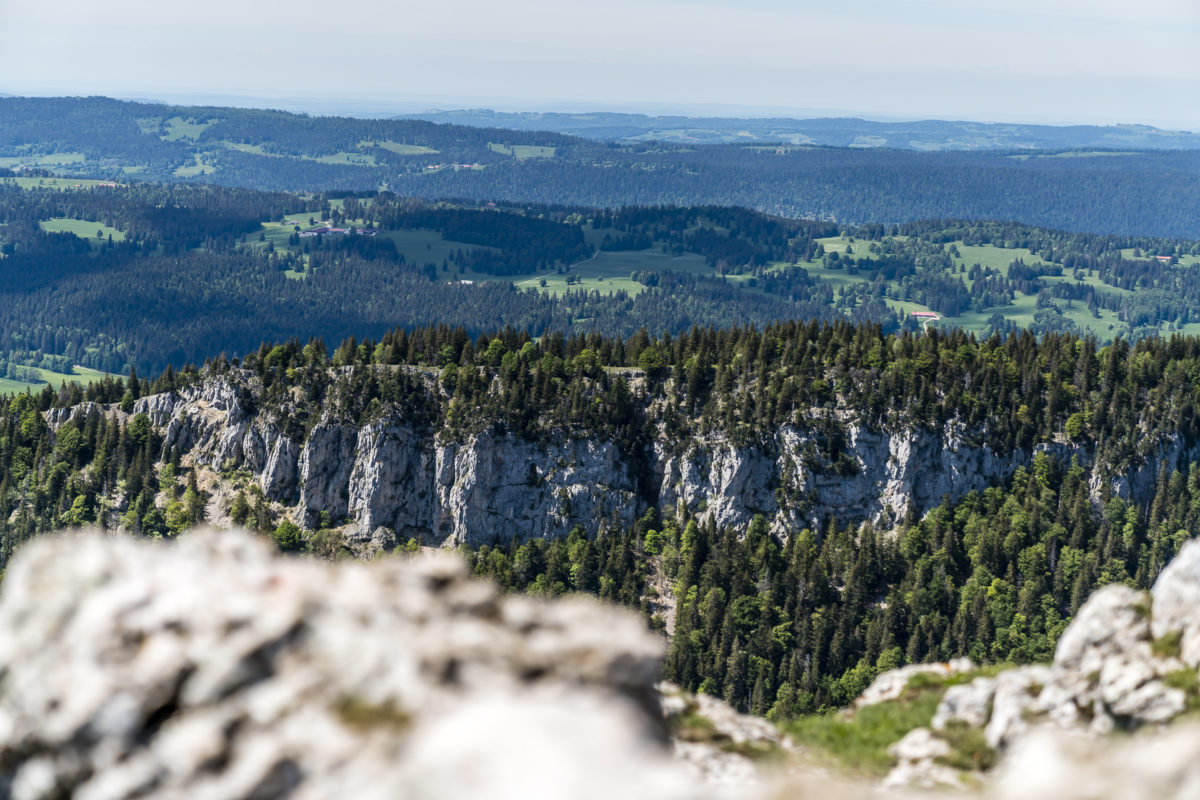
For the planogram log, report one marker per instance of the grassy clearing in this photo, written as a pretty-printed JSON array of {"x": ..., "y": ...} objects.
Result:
[
  {"x": 861, "y": 247},
  {"x": 55, "y": 183},
  {"x": 15, "y": 387},
  {"x": 82, "y": 375},
  {"x": 423, "y": 247},
  {"x": 83, "y": 228},
  {"x": 836, "y": 277},
  {"x": 200, "y": 167},
  {"x": 522, "y": 151},
  {"x": 245, "y": 148},
  {"x": 178, "y": 128},
  {"x": 345, "y": 159},
  {"x": 998, "y": 258},
  {"x": 401, "y": 149},
  {"x": 45, "y": 160},
  {"x": 608, "y": 272}
]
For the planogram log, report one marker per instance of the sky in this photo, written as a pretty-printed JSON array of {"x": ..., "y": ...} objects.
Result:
[{"x": 1042, "y": 61}]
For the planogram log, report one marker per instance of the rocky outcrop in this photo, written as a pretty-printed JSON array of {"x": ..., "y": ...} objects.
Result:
[
  {"x": 214, "y": 668},
  {"x": 494, "y": 486},
  {"x": 891, "y": 684},
  {"x": 720, "y": 745},
  {"x": 1127, "y": 661}
]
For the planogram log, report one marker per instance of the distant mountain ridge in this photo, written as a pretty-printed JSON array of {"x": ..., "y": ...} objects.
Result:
[
  {"x": 825, "y": 131},
  {"x": 1113, "y": 190}
]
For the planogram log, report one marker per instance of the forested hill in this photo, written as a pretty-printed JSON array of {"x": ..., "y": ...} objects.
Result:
[
  {"x": 826, "y": 131},
  {"x": 1105, "y": 191},
  {"x": 801, "y": 506},
  {"x": 146, "y": 275}
]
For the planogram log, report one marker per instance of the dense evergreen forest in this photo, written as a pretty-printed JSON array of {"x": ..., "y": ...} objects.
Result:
[
  {"x": 777, "y": 622},
  {"x": 1125, "y": 192}
]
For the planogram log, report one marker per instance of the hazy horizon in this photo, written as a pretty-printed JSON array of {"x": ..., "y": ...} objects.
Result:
[{"x": 1060, "y": 62}]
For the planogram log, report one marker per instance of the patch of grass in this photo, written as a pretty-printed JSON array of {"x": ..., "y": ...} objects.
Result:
[
  {"x": 56, "y": 183},
  {"x": 998, "y": 258},
  {"x": 1187, "y": 680},
  {"x": 200, "y": 167},
  {"x": 969, "y": 749},
  {"x": 860, "y": 742},
  {"x": 83, "y": 228},
  {"x": 178, "y": 128},
  {"x": 1169, "y": 645},
  {"x": 522, "y": 151},
  {"x": 44, "y": 160},
  {"x": 16, "y": 387},
  {"x": 840, "y": 244},
  {"x": 401, "y": 149},
  {"x": 607, "y": 272},
  {"x": 361, "y": 715},
  {"x": 81, "y": 375},
  {"x": 241, "y": 147},
  {"x": 346, "y": 159}
]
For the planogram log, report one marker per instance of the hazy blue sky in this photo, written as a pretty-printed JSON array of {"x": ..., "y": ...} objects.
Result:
[{"x": 1098, "y": 61}]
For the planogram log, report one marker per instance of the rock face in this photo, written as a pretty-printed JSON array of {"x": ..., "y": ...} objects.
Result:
[
  {"x": 213, "y": 668},
  {"x": 494, "y": 486}
]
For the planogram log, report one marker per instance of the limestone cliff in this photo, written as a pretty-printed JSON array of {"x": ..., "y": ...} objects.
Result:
[{"x": 414, "y": 480}]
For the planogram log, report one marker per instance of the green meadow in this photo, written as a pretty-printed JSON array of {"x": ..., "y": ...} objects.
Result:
[
  {"x": 522, "y": 151},
  {"x": 400, "y": 149},
  {"x": 81, "y": 375},
  {"x": 199, "y": 167},
  {"x": 43, "y": 160},
  {"x": 83, "y": 228},
  {"x": 54, "y": 183},
  {"x": 178, "y": 128}
]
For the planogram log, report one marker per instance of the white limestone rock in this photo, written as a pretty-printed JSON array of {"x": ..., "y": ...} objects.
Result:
[
  {"x": 213, "y": 668},
  {"x": 1049, "y": 765},
  {"x": 969, "y": 704},
  {"x": 891, "y": 684},
  {"x": 1015, "y": 694},
  {"x": 1176, "y": 596}
]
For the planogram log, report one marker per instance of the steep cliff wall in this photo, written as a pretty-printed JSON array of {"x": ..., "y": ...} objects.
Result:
[{"x": 494, "y": 486}]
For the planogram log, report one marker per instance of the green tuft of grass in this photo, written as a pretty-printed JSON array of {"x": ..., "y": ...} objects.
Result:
[
  {"x": 860, "y": 742},
  {"x": 1169, "y": 645},
  {"x": 969, "y": 749},
  {"x": 361, "y": 715}
]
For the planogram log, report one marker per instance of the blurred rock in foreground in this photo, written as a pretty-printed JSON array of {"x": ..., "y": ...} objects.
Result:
[{"x": 212, "y": 668}]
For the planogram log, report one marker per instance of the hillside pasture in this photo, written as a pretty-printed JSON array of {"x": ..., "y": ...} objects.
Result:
[
  {"x": 42, "y": 160},
  {"x": 178, "y": 128},
  {"x": 399, "y": 148},
  {"x": 82, "y": 375},
  {"x": 199, "y": 167},
  {"x": 55, "y": 183},
  {"x": 522, "y": 151},
  {"x": 83, "y": 228}
]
